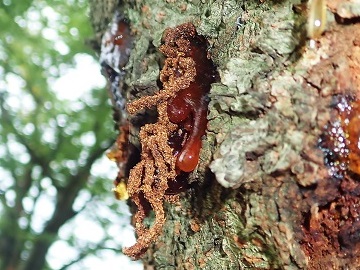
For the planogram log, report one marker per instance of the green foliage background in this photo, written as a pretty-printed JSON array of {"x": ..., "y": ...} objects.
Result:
[{"x": 48, "y": 146}]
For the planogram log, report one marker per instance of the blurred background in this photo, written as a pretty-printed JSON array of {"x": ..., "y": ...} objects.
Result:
[{"x": 57, "y": 210}]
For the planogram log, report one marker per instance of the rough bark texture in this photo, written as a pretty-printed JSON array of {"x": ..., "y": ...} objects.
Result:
[{"x": 266, "y": 116}]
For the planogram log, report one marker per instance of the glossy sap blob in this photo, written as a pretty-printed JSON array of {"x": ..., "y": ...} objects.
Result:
[
  {"x": 316, "y": 18},
  {"x": 188, "y": 109}
]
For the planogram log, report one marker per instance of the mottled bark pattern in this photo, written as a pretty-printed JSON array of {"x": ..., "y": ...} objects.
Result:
[{"x": 267, "y": 115}]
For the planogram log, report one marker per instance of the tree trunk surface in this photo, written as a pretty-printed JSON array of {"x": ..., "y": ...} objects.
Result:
[{"x": 277, "y": 185}]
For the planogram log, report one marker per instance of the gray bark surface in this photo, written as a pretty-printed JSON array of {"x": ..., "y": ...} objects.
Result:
[{"x": 262, "y": 176}]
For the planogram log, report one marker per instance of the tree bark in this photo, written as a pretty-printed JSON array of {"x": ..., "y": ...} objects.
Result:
[{"x": 264, "y": 188}]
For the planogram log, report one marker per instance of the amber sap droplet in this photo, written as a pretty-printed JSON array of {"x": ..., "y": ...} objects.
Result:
[
  {"x": 120, "y": 191},
  {"x": 316, "y": 18},
  {"x": 353, "y": 138},
  {"x": 189, "y": 156}
]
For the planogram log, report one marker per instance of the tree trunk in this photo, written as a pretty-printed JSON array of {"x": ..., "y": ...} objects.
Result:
[{"x": 276, "y": 186}]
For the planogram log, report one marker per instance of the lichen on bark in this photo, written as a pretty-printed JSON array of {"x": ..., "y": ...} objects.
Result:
[{"x": 265, "y": 118}]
